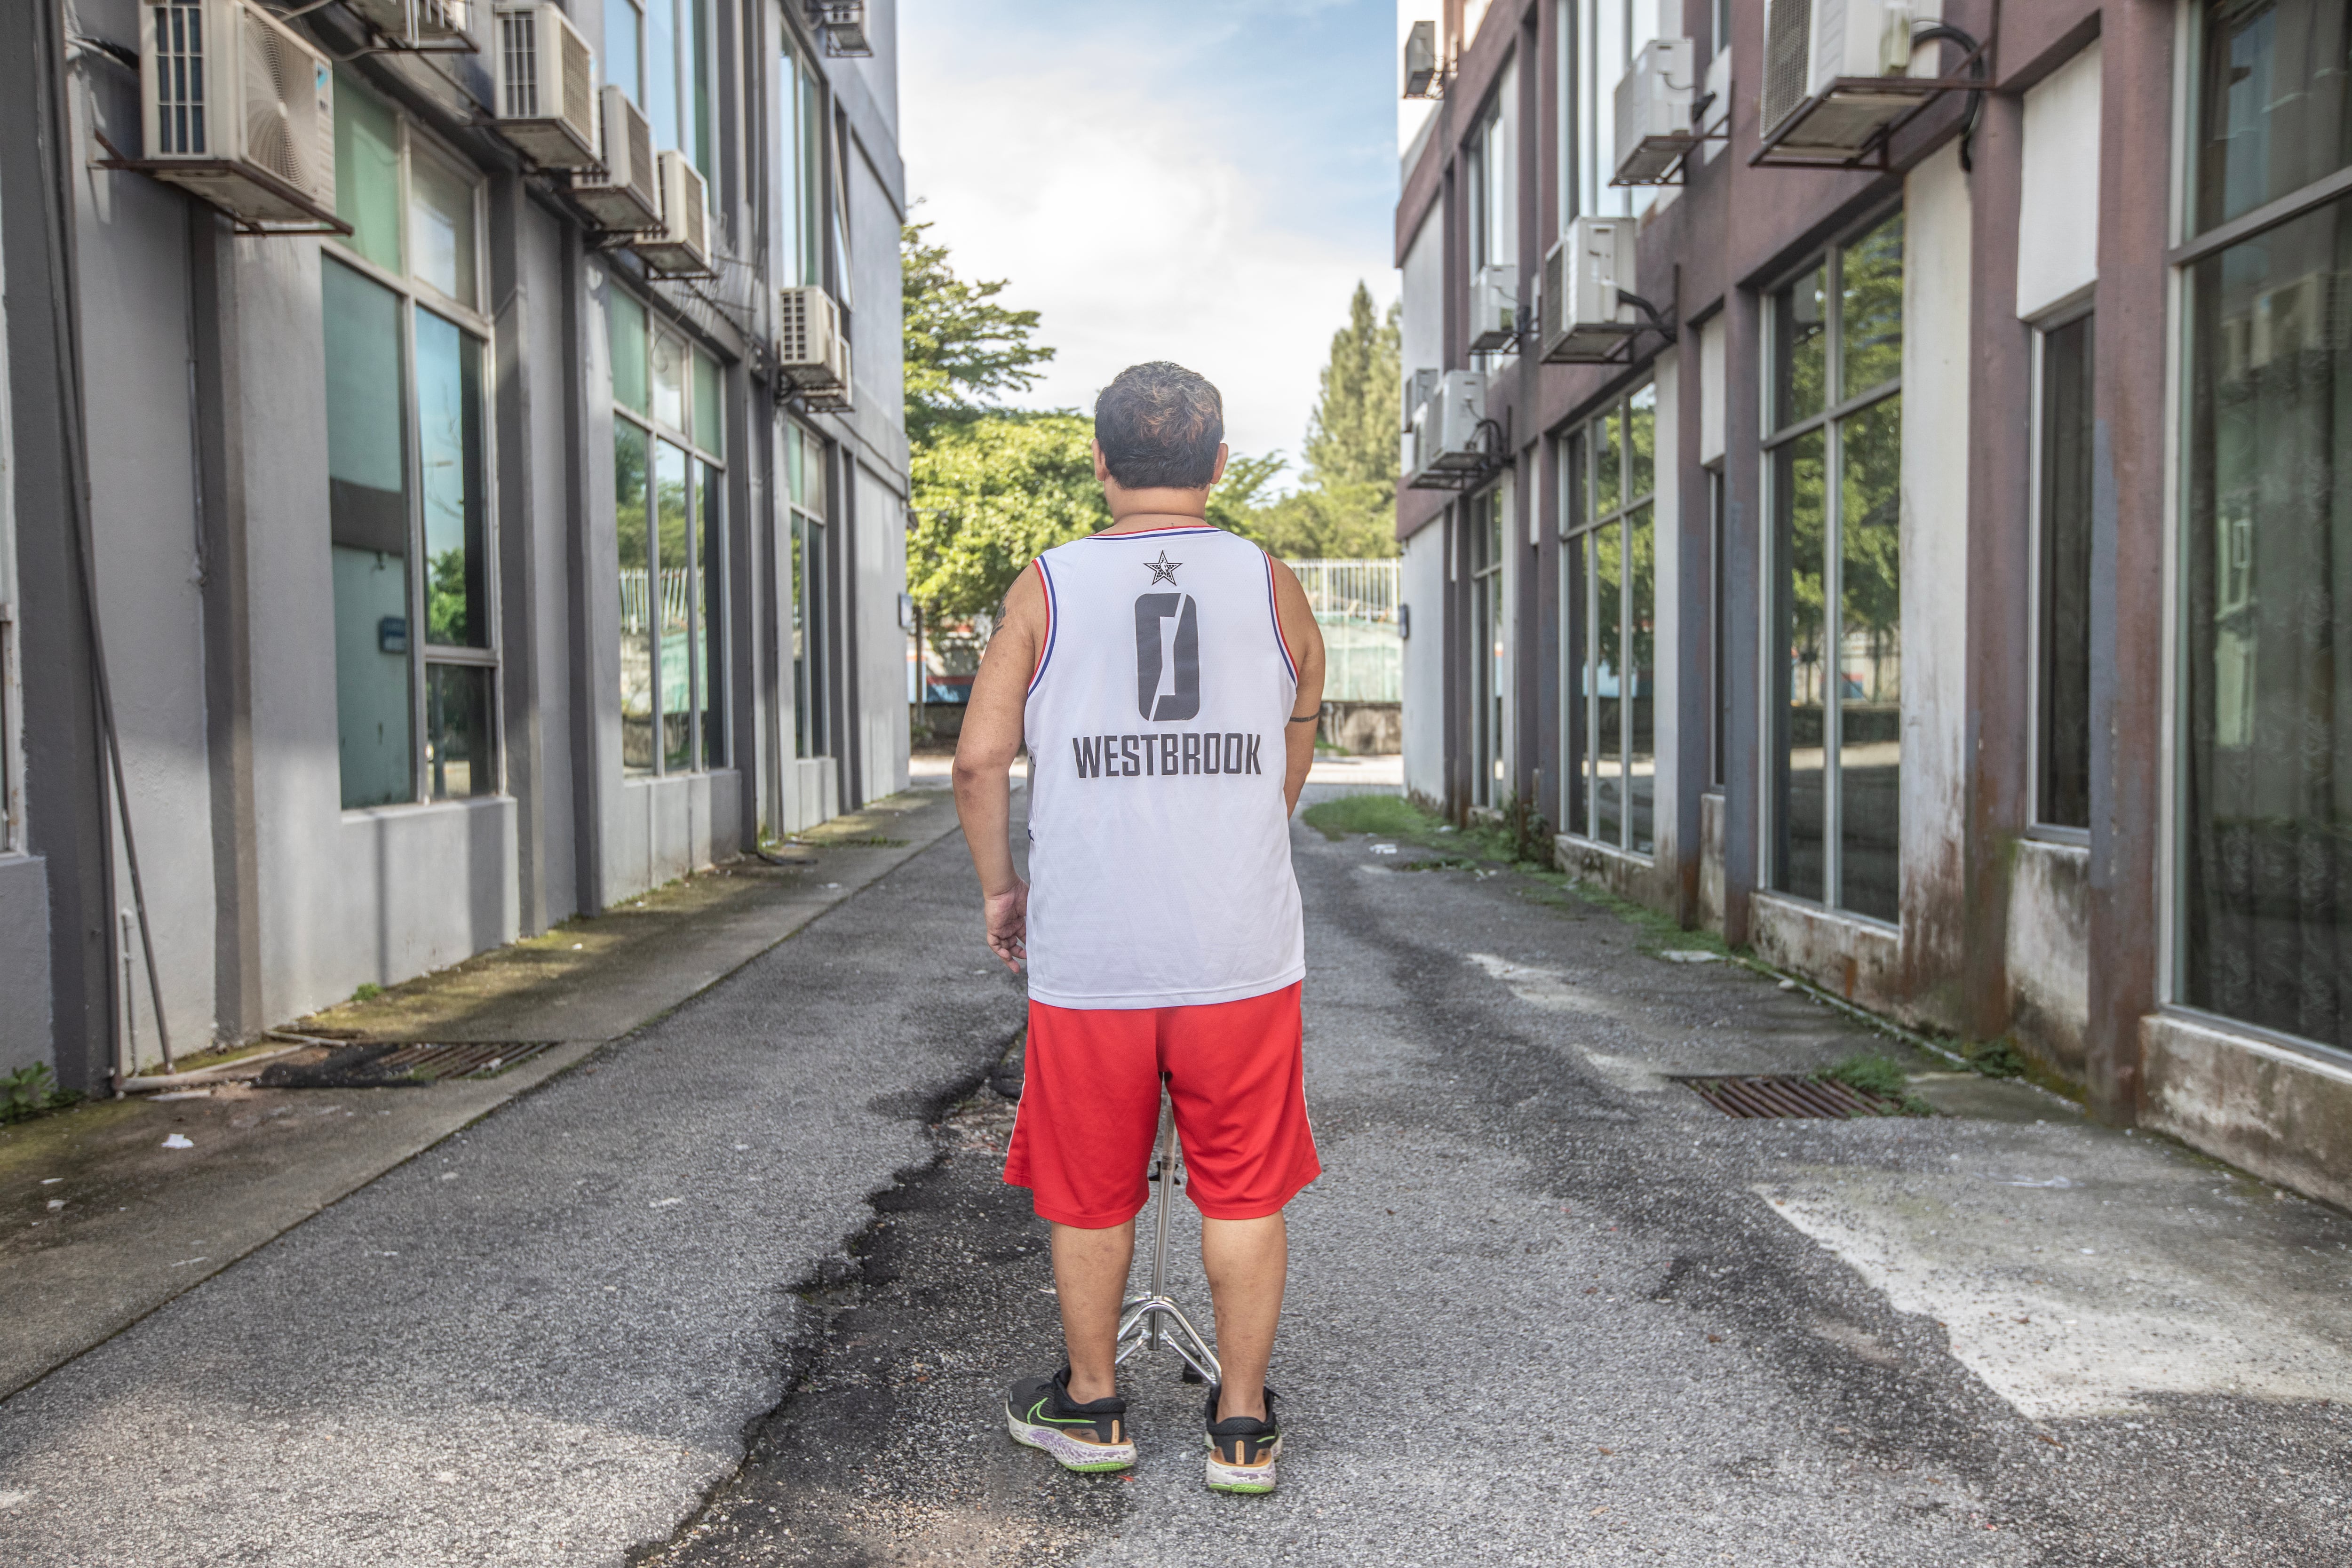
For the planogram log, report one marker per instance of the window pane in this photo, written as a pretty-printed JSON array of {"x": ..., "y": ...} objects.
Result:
[
  {"x": 1870, "y": 661},
  {"x": 1575, "y": 592},
  {"x": 2273, "y": 116},
  {"x": 367, "y": 525},
  {"x": 459, "y": 761},
  {"x": 1608, "y": 680},
  {"x": 629, "y": 477},
  {"x": 1801, "y": 357},
  {"x": 622, "y": 29},
  {"x": 1640, "y": 443},
  {"x": 449, "y": 446},
  {"x": 441, "y": 219},
  {"x": 710, "y": 646},
  {"x": 2266, "y": 847},
  {"x": 1719, "y": 638},
  {"x": 669, "y": 381},
  {"x": 811, "y": 730},
  {"x": 1608, "y": 455},
  {"x": 1870, "y": 306},
  {"x": 626, "y": 323},
  {"x": 1800, "y": 676},
  {"x": 1641, "y": 674},
  {"x": 661, "y": 72},
  {"x": 2066, "y": 609},
  {"x": 812, "y": 178},
  {"x": 710, "y": 415},
  {"x": 673, "y": 556},
  {"x": 705, "y": 152},
  {"x": 367, "y": 172}
]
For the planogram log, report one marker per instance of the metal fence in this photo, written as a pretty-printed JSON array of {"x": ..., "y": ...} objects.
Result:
[{"x": 1355, "y": 602}]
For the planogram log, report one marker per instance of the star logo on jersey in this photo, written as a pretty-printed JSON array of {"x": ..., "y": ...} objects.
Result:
[{"x": 1163, "y": 570}]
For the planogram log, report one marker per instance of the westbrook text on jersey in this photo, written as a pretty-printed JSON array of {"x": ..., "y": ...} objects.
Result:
[{"x": 1165, "y": 755}]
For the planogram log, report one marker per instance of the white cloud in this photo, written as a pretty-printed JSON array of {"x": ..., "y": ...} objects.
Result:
[{"x": 1144, "y": 221}]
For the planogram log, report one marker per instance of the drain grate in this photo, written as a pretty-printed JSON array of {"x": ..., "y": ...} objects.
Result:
[
  {"x": 1791, "y": 1096},
  {"x": 393, "y": 1066}
]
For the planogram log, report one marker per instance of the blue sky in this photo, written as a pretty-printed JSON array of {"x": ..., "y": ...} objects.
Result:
[{"x": 1200, "y": 181}]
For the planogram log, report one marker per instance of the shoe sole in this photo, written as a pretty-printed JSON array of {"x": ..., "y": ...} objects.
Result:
[
  {"x": 1070, "y": 1453},
  {"x": 1252, "y": 1479}
]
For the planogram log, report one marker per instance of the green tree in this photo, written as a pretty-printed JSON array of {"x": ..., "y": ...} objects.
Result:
[
  {"x": 1352, "y": 436},
  {"x": 963, "y": 349},
  {"x": 991, "y": 492}
]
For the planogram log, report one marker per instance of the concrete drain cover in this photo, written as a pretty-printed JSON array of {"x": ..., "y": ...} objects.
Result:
[
  {"x": 1791, "y": 1095},
  {"x": 397, "y": 1065}
]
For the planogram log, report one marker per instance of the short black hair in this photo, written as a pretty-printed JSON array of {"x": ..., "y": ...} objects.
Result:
[{"x": 1160, "y": 425}]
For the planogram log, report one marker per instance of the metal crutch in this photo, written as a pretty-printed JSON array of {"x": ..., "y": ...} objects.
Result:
[{"x": 1151, "y": 1320}]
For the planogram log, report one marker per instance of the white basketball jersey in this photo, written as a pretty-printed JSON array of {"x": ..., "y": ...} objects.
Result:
[{"x": 1159, "y": 844}]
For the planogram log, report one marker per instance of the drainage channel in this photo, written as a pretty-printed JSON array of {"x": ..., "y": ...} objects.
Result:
[{"x": 1791, "y": 1095}]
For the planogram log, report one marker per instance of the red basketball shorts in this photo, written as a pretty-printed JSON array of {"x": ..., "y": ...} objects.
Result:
[{"x": 1090, "y": 1107}]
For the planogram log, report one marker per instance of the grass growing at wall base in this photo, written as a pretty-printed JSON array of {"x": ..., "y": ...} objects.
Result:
[
  {"x": 1880, "y": 1075},
  {"x": 1391, "y": 817},
  {"x": 32, "y": 1092}
]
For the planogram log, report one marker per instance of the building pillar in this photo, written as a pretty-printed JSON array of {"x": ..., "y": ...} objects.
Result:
[
  {"x": 1999, "y": 788},
  {"x": 2128, "y": 531}
]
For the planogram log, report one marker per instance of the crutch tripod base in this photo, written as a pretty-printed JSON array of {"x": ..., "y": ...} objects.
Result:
[{"x": 1153, "y": 1320}]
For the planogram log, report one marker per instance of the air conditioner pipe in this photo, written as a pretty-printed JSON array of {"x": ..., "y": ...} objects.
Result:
[
  {"x": 1944, "y": 32},
  {"x": 64, "y": 318},
  {"x": 1658, "y": 323}
]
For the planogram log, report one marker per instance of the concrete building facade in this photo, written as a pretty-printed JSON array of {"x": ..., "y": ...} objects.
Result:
[
  {"x": 1940, "y": 587},
  {"x": 385, "y": 592}
]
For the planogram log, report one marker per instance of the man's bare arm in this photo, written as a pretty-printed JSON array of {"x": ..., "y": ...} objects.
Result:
[
  {"x": 985, "y": 747},
  {"x": 1305, "y": 640}
]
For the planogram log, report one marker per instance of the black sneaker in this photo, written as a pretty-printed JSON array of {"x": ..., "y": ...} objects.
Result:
[
  {"x": 1242, "y": 1449},
  {"x": 1092, "y": 1436}
]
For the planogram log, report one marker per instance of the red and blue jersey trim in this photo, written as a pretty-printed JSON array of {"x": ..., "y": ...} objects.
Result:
[
  {"x": 1274, "y": 609},
  {"x": 1053, "y": 627},
  {"x": 1162, "y": 533}
]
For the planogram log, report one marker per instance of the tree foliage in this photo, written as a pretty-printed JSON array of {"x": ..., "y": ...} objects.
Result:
[
  {"x": 991, "y": 492},
  {"x": 963, "y": 349},
  {"x": 995, "y": 487},
  {"x": 1352, "y": 436}
]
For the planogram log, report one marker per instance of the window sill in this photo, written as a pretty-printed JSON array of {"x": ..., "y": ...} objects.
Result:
[
  {"x": 1815, "y": 909},
  {"x": 1581, "y": 844},
  {"x": 421, "y": 808},
  {"x": 2333, "y": 1058},
  {"x": 2071, "y": 837}
]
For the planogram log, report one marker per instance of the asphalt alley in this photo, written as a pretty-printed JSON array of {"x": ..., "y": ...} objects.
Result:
[
  {"x": 749, "y": 1292},
  {"x": 1548, "y": 1308}
]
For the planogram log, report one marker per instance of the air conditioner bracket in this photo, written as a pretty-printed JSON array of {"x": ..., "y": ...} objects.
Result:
[
  {"x": 322, "y": 220},
  {"x": 1876, "y": 149}
]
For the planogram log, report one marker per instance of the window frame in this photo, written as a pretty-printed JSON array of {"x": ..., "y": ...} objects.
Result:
[
  {"x": 808, "y": 600},
  {"x": 1488, "y": 549},
  {"x": 2079, "y": 308},
  {"x": 1581, "y": 518},
  {"x": 1830, "y": 421},
  {"x": 2191, "y": 248},
  {"x": 660, "y": 323},
  {"x": 413, "y": 293}
]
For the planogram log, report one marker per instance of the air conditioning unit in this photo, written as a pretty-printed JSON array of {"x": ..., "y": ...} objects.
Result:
[
  {"x": 239, "y": 109},
  {"x": 1423, "y": 77},
  {"x": 811, "y": 350},
  {"x": 1582, "y": 319},
  {"x": 843, "y": 22},
  {"x": 1493, "y": 307},
  {"x": 546, "y": 86},
  {"x": 681, "y": 247},
  {"x": 1445, "y": 440},
  {"x": 1811, "y": 44},
  {"x": 414, "y": 20},
  {"x": 624, "y": 196},
  {"x": 1654, "y": 111}
]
